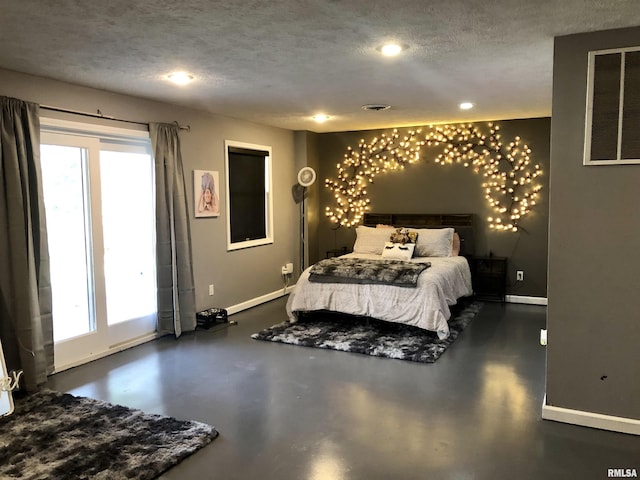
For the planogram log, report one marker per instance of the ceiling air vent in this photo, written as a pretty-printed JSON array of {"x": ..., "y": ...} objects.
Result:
[{"x": 375, "y": 107}]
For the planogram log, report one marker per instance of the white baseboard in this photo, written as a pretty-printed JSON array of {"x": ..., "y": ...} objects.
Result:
[
  {"x": 590, "y": 419},
  {"x": 526, "y": 300},
  {"x": 254, "y": 302}
]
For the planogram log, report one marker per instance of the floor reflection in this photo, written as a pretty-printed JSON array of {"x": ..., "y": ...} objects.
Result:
[
  {"x": 504, "y": 406},
  {"x": 327, "y": 463},
  {"x": 387, "y": 428}
]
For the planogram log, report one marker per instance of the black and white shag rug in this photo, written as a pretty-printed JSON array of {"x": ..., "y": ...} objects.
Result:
[
  {"x": 368, "y": 336},
  {"x": 53, "y": 435}
]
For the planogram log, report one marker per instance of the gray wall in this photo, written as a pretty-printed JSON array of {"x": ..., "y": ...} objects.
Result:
[
  {"x": 594, "y": 260},
  {"x": 429, "y": 188},
  {"x": 239, "y": 275}
]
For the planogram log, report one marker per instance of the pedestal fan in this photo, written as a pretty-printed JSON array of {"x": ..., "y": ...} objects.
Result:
[{"x": 306, "y": 178}]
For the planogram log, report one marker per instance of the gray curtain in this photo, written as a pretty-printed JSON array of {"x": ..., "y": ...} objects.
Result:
[
  {"x": 176, "y": 294},
  {"x": 26, "y": 323}
]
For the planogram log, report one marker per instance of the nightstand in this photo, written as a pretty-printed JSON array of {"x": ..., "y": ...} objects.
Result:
[
  {"x": 489, "y": 277},
  {"x": 337, "y": 252}
]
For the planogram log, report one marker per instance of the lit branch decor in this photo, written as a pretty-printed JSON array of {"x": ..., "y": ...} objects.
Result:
[{"x": 508, "y": 176}]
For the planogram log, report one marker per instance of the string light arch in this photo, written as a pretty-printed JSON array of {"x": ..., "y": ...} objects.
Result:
[{"x": 508, "y": 174}]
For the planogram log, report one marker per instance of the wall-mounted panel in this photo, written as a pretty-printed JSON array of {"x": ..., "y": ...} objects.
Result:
[{"x": 613, "y": 107}]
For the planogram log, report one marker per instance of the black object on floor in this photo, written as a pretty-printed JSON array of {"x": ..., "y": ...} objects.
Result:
[{"x": 211, "y": 317}]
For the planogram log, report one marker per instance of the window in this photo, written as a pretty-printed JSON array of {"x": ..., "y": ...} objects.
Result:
[
  {"x": 98, "y": 188},
  {"x": 249, "y": 200},
  {"x": 613, "y": 107}
]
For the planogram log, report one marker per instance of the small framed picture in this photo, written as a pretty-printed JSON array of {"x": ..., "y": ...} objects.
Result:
[{"x": 205, "y": 193}]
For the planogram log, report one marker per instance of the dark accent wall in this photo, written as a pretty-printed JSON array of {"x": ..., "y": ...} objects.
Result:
[
  {"x": 594, "y": 260},
  {"x": 426, "y": 187}
]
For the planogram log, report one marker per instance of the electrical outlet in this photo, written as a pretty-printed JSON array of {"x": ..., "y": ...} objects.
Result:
[
  {"x": 287, "y": 269},
  {"x": 520, "y": 276},
  {"x": 211, "y": 289}
]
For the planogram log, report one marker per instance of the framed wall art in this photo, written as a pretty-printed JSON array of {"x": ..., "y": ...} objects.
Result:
[{"x": 205, "y": 193}]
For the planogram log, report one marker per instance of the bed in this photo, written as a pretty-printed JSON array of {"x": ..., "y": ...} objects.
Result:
[{"x": 427, "y": 305}]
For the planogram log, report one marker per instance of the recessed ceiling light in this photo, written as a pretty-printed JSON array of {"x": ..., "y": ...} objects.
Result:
[
  {"x": 466, "y": 106},
  {"x": 180, "y": 78},
  {"x": 391, "y": 49},
  {"x": 375, "y": 107},
  {"x": 321, "y": 118}
]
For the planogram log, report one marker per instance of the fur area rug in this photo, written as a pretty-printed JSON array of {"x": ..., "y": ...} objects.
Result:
[
  {"x": 368, "y": 336},
  {"x": 53, "y": 435}
]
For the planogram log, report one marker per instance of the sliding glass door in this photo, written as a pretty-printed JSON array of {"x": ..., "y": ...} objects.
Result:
[
  {"x": 99, "y": 201},
  {"x": 128, "y": 232}
]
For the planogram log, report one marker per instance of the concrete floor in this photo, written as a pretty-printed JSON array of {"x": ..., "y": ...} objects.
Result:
[{"x": 289, "y": 412}]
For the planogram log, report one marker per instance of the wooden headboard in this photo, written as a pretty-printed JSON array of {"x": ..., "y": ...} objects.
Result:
[{"x": 462, "y": 223}]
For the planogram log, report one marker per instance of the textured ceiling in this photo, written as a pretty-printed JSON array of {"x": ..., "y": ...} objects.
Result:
[{"x": 279, "y": 62}]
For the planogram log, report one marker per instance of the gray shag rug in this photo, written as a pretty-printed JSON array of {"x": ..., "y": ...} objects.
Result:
[
  {"x": 53, "y": 435},
  {"x": 368, "y": 336}
]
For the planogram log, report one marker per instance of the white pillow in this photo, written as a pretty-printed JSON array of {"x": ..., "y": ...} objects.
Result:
[
  {"x": 398, "y": 251},
  {"x": 371, "y": 240},
  {"x": 434, "y": 242}
]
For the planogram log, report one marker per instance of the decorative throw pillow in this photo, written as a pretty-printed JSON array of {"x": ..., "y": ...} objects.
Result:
[
  {"x": 370, "y": 240},
  {"x": 382, "y": 225},
  {"x": 434, "y": 242},
  {"x": 398, "y": 251},
  {"x": 455, "y": 251}
]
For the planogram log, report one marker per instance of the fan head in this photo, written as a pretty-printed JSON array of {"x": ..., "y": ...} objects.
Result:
[{"x": 306, "y": 176}]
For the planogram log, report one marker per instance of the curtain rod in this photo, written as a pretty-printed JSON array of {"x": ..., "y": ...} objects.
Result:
[{"x": 99, "y": 114}]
